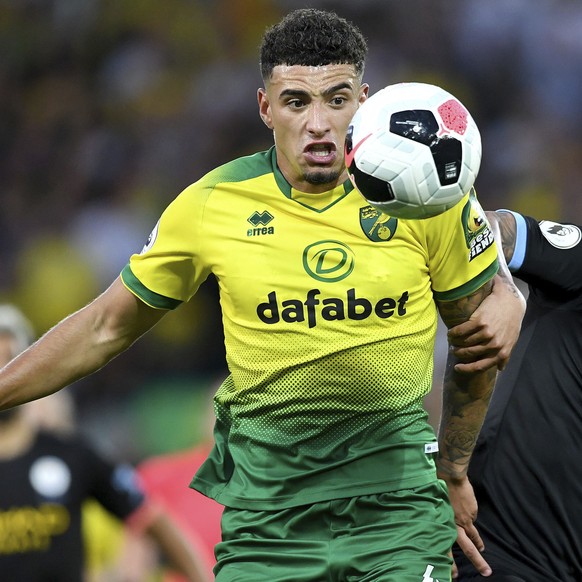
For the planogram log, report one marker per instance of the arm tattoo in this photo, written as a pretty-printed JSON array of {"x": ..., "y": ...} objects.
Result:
[
  {"x": 504, "y": 229},
  {"x": 508, "y": 233},
  {"x": 465, "y": 396},
  {"x": 465, "y": 402},
  {"x": 455, "y": 312}
]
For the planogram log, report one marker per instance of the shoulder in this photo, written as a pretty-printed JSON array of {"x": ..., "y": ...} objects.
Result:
[
  {"x": 74, "y": 447},
  {"x": 234, "y": 176},
  {"x": 240, "y": 170},
  {"x": 50, "y": 440}
]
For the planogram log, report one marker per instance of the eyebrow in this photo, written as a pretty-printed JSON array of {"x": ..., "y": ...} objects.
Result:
[{"x": 327, "y": 92}]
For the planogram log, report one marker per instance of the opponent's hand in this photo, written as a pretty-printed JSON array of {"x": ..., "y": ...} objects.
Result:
[{"x": 488, "y": 337}]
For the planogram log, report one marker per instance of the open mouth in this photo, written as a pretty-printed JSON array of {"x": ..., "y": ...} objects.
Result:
[{"x": 321, "y": 152}]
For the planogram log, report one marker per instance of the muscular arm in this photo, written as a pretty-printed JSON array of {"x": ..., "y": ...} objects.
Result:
[
  {"x": 465, "y": 396},
  {"x": 77, "y": 346},
  {"x": 465, "y": 401},
  {"x": 487, "y": 338}
]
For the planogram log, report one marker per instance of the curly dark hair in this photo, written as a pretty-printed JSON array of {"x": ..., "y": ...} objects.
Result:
[{"x": 312, "y": 38}]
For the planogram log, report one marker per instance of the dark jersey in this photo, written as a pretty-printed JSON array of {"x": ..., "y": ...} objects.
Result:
[
  {"x": 526, "y": 466},
  {"x": 41, "y": 496}
]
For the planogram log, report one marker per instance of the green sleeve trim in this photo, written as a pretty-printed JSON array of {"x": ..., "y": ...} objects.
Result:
[
  {"x": 150, "y": 298},
  {"x": 470, "y": 286},
  {"x": 239, "y": 170}
]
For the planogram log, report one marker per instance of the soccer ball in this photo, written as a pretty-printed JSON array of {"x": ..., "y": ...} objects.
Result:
[{"x": 413, "y": 150}]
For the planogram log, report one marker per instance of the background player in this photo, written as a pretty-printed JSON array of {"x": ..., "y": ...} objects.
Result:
[
  {"x": 48, "y": 477},
  {"x": 524, "y": 467}
]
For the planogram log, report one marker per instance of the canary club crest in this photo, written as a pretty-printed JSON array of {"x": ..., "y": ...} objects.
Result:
[
  {"x": 378, "y": 227},
  {"x": 478, "y": 235}
]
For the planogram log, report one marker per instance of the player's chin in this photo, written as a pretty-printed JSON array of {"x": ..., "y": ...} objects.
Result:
[{"x": 319, "y": 176}]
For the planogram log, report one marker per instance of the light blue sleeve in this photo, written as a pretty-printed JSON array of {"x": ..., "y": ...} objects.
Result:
[{"x": 520, "y": 241}]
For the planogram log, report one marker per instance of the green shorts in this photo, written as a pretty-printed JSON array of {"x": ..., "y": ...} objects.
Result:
[{"x": 403, "y": 536}]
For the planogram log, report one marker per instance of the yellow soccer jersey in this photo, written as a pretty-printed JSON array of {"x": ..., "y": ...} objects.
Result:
[{"x": 329, "y": 320}]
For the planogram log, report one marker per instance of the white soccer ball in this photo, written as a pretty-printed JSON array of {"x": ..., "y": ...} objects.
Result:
[{"x": 413, "y": 150}]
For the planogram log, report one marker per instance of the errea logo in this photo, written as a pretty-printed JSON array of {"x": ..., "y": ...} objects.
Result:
[{"x": 260, "y": 220}]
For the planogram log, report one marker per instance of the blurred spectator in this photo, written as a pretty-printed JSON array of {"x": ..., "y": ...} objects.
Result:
[{"x": 49, "y": 474}]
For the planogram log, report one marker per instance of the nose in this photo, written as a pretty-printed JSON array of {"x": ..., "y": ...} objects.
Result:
[{"x": 317, "y": 119}]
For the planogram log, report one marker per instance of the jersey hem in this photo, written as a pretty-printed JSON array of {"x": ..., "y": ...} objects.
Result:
[{"x": 328, "y": 494}]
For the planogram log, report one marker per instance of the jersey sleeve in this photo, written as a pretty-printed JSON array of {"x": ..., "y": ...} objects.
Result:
[
  {"x": 115, "y": 486},
  {"x": 462, "y": 254},
  {"x": 169, "y": 269},
  {"x": 548, "y": 256}
]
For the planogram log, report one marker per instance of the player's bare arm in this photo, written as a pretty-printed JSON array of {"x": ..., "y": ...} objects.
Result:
[
  {"x": 465, "y": 396},
  {"x": 465, "y": 402},
  {"x": 488, "y": 337},
  {"x": 79, "y": 345}
]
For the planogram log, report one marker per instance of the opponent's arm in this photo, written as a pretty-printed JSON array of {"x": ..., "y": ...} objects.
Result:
[
  {"x": 77, "y": 346},
  {"x": 487, "y": 338},
  {"x": 465, "y": 401},
  {"x": 176, "y": 548}
]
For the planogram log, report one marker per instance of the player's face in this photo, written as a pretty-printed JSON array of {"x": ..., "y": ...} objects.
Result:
[{"x": 309, "y": 110}]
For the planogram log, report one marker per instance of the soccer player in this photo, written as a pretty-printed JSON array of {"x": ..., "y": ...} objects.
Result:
[
  {"x": 48, "y": 477},
  {"x": 324, "y": 459},
  {"x": 525, "y": 468}
]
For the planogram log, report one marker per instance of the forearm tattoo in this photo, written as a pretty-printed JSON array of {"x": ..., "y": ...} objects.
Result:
[
  {"x": 465, "y": 402},
  {"x": 455, "y": 312},
  {"x": 465, "y": 396},
  {"x": 508, "y": 233}
]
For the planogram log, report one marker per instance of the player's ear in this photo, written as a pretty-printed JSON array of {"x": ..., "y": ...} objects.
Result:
[
  {"x": 264, "y": 108},
  {"x": 364, "y": 89}
]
